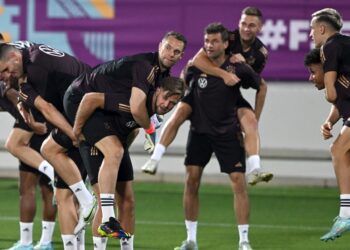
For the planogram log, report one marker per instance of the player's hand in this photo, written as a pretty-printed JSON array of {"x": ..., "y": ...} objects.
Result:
[
  {"x": 230, "y": 79},
  {"x": 326, "y": 130},
  {"x": 78, "y": 136},
  {"x": 39, "y": 128},
  {"x": 237, "y": 58}
]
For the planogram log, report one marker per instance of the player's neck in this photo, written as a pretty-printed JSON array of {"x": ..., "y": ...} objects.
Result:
[
  {"x": 219, "y": 60},
  {"x": 246, "y": 44}
]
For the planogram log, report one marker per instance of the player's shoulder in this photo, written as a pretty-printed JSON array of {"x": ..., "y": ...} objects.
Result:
[
  {"x": 333, "y": 44},
  {"x": 42, "y": 53},
  {"x": 146, "y": 58},
  {"x": 260, "y": 46},
  {"x": 337, "y": 40},
  {"x": 193, "y": 70}
]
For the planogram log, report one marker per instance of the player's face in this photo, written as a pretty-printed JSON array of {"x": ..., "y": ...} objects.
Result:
[
  {"x": 249, "y": 27},
  {"x": 214, "y": 45},
  {"x": 316, "y": 75},
  {"x": 316, "y": 30},
  {"x": 11, "y": 66},
  {"x": 170, "y": 51},
  {"x": 165, "y": 103}
]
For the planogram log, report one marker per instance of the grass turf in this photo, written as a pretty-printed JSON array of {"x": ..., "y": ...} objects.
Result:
[{"x": 281, "y": 218}]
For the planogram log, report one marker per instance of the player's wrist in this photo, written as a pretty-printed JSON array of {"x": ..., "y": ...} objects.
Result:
[{"x": 151, "y": 129}]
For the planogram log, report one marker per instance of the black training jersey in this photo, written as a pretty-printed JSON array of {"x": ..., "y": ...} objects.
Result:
[
  {"x": 256, "y": 56},
  {"x": 49, "y": 73},
  {"x": 6, "y": 105},
  {"x": 116, "y": 79},
  {"x": 214, "y": 103},
  {"x": 335, "y": 56}
]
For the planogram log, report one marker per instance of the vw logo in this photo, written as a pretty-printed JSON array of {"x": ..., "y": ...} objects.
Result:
[{"x": 202, "y": 82}]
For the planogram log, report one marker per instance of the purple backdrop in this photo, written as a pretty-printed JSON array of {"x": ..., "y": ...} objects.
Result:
[
  {"x": 114, "y": 28},
  {"x": 140, "y": 24}
]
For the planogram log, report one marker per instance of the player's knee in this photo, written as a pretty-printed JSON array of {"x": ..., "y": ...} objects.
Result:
[
  {"x": 127, "y": 204},
  {"x": 26, "y": 190},
  {"x": 249, "y": 123},
  {"x": 192, "y": 184},
  {"x": 46, "y": 192},
  {"x": 46, "y": 149},
  {"x": 337, "y": 149},
  {"x": 64, "y": 197},
  {"x": 11, "y": 145},
  {"x": 113, "y": 155},
  {"x": 50, "y": 150},
  {"x": 238, "y": 182}
]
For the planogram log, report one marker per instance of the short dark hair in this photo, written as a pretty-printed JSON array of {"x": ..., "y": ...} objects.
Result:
[
  {"x": 178, "y": 36},
  {"x": 252, "y": 11},
  {"x": 1, "y": 37},
  {"x": 175, "y": 86},
  {"x": 4, "y": 49},
  {"x": 313, "y": 57},
  {"x": 214, "y": 28},
  {"x": 330, "y": 16}
]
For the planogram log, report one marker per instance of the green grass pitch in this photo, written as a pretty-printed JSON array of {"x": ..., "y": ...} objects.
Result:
[{"x": 282, "y": 218}]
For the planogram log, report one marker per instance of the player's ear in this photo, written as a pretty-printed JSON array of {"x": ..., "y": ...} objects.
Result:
[
  {"x": 226, "y": 44},
  {"x": 260, "y": 26}
]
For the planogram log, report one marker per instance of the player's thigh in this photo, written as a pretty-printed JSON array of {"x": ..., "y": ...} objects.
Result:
[
  {"x": 247, "y": 118},
  {"x": 100, "y": 131},
  {"x": 198, "y": 150},
  {"x": 92, "y": 159},
  {"x": 342, "y": 143},
  {"x": 18, "y": 136},
  {"x": 230, "y": 153}
]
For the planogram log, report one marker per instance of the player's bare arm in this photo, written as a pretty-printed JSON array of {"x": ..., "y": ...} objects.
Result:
[
  {"x": 52, "y": 115},
  {"x": 138, "y": 107},
  {"x": 39, "y": 128},
  {"x": 89, "y": 103},
  {"x": 260, "y": 99},
  {"x": 329, "y": 81},
  {"x": 201, "y": 61}
]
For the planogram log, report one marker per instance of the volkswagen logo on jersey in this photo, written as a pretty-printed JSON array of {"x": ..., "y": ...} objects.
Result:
[
  {"x": 202, "y": 82},
  {"x": 51, "y": 51},
  {"x": 130, "y": 124}
]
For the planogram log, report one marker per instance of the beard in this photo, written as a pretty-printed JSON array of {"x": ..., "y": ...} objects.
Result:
[{"x": 13, "y": 83}]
